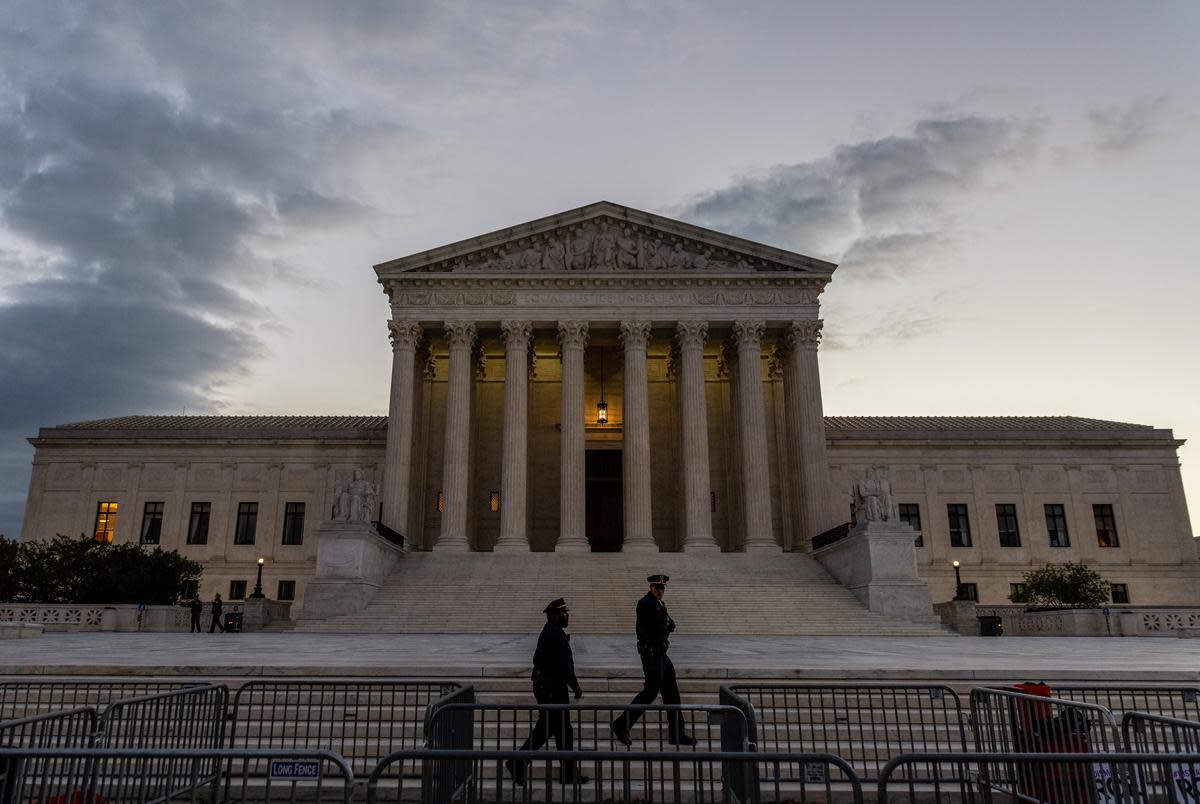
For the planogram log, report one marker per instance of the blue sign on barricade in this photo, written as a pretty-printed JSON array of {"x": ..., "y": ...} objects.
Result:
[{"x": 295, "y": 770}]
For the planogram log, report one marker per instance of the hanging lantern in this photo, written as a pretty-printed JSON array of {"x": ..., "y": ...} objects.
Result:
[{"x": 602, "y": 406}]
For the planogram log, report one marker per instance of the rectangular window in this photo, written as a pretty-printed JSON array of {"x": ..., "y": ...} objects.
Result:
[
  {"x": 910, "y": 513},
  {"x": 970, "y": 591},
  {"x": 293, "y": 523},
  {"x": 152, "y": 523},
  {"x": 287, "y": 590},
  {"x": 198, "y": 523},
  {"x": 1106, "y": 526},
  {"x": 106, "y": 521},
  {"x": 247, "y": 523},
  {"x": 1120, "y": 593},
  {"x": 237, "y": 590},
  {"x": 712, "y": 502},
  {"x": 1006, "y": 522},
  {"x": 494, "y": 501},
  {"x": 960, "y": 525},
  {"x": 441, "y": 501},
  {"x": 1016, "y": 591},
  {"x": 1056, "y": 525}
]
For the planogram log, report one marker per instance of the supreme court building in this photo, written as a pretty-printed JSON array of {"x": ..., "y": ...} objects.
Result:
[{"x": 610, "y": 380}]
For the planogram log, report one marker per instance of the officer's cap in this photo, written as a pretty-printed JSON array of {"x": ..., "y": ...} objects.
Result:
[
  {"x": 556, "y": 605},
  {"x": 659, "y": 579}
]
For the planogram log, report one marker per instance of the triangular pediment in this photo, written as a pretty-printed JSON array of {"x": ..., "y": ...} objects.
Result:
[{"x": 604, "y": 238}]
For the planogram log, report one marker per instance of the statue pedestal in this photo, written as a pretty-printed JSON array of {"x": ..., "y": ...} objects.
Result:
[
  {"x": 353, "y": 561},
  {"x": 877, "y": 561}
]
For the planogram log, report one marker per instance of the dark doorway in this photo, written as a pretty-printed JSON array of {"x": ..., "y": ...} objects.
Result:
[{"x": 605, "y": 503}]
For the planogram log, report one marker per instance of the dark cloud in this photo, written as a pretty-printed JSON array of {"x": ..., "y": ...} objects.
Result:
[
  {"x": 880, "y": 206},
  {"x": 1119, "y": 129}
]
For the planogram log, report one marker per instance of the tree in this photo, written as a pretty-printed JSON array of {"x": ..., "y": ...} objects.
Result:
[{"x": 1063, "y": 586}]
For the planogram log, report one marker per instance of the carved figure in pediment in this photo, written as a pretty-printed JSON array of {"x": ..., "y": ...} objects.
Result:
[
  {"x": 678, "y": 259},
  {"x": 554, "y": 256},
  {"x": 581, "y": 249},
  {"x": 699, "y": 262},
  {"x": 604, "y": 248},
  {"x": 627, "y": 251},
  {"x": 653, "y": 253}
]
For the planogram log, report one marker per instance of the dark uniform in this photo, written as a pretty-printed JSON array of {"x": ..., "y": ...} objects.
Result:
[
  {"x": 553, "y": 680},
  {"x": 195, "y": 607},
  {"x": 654, "y": 627},
  {"x": 216, "y": 615}
]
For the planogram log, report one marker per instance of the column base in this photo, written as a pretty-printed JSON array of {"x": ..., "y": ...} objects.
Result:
[
  {"x": 572, "y": 547},
  {"x": 640, "y": 547},
  {"x": 763, "y": 547},
  {"x": 510, "y": 548},
  {"x": 700, "y": 547},
  {"x": 452, "y": 547}
]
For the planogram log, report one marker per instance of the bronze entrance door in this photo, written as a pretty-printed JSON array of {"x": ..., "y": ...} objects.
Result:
[{"x": 605, "y": 502}]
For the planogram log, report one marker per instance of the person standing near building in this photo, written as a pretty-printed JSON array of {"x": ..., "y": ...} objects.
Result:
[
  {"x": 217, "y": 606},
  {"x": 553, "y": 676},
  {"x": 195, "y": 607},
  {"x": 654, "y": 627}
]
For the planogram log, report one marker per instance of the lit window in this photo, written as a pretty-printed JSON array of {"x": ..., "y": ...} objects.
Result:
[
  {"x": 247, "y": 523},
  {"x": 1120, "y": 593},
  {"x": 1106, "y": 526},
  {"x": 910, "y": 513},
  {"x": 293, "y": 523},
  {"x": 494, "y": 501},
  {"x": 1056, "y": 525},
  {"x": 1006, "y": 523},
  {"x": 441, "y": 501},
  {"x": 152, "y": 518},
  {"x": 198, "y": 523},
  {"x": 287, "y": 590},
  {"x": 960, "y": 525},
  {"x": 106, "y": 521}
]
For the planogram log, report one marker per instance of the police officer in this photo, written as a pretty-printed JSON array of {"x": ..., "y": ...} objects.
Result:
[
  {"x": 553, "y": 675},
  {"x": 654, "y": 627}
]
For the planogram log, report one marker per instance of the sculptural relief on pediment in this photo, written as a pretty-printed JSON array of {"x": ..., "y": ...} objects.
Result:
[{"x": 602, "y": 245}]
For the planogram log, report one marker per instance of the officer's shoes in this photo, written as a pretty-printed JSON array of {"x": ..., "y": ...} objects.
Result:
[
  {"x": 681, "y": 739},
  {"x": 516, "y": 770},
  {"x": 622, "y": 735}
]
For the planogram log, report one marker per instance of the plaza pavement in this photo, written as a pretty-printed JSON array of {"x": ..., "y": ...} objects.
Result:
[{"x": 746, "y": 657}]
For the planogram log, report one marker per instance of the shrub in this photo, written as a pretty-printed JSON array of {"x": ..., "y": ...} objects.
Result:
[
  {"x": 81, "y": 570},
  {"x": 1064, "y": 586}
]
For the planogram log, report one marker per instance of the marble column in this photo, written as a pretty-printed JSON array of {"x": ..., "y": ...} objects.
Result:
[
  {"x": 397, "y": 470},
  {"x": 460, "y": 337},
  {"x": 572, "y": 529},
  {"x": 514, "y": 465},
  {"x": 693, "y": 427},
  {"x": 756, "y": 482},
  {"x": 635, "y": 456},
  {"x": 806, "y": 425}
]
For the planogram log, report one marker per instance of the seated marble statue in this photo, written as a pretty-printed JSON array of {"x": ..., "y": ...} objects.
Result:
[
  {"x": 873, "y": 501},
  {"x": 357, "y": 500}
]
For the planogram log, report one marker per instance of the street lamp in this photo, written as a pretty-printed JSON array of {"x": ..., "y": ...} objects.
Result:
[
  {"x": 958, "y": 585},
  {"x": 258, "y": 593}
]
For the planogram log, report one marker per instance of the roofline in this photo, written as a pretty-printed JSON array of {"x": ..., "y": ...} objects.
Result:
[{"x": 595, "y": 210}]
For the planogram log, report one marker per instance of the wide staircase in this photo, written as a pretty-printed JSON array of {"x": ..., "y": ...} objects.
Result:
[{"x": 726, "y": 593}]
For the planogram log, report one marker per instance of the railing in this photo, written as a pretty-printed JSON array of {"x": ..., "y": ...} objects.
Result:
[
  {"x": 1180, "y": 702},
  {"x": 832, "y": 535},
  {"x": 574, "y": 776},
  {"x": 1009, "y": 721},
  {"x": 864, "y": 723},
  {"x": 156, "y": 775},
  {"x": 70, "y": 728},
  {"x": 20, "y": 698},
  {"x": 361, "y": 720},
  {"x": 1066, "y": 778}
]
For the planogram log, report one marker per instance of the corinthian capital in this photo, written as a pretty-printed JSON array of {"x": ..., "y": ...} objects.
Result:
[
  {"x": 404, "y": 334},
  {"x": 573, "y": 334},
  {"x": 516, "y": 334},
  {"x": 691, "y": 334},
  {"x": 749, "y": 334},
  {"x": 804, "y": 334},
  {"x": 460, "y": 334},
  {"x": 635, "y": 334}
]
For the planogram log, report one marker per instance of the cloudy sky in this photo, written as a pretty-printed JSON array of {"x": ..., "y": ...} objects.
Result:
[{"x": 192, "y": 194}]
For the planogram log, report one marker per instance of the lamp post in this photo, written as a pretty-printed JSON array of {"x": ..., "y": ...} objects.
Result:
[
  {"x": 258, "y": 593},
  {"x": 958, "y": 587}
]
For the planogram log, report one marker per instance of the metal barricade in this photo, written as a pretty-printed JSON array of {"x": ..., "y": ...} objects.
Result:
[
  {"x": 1010, "y": 721},
  {"x": 362, "y": 720},
  {"x": 506, "y": 727},
  {"x": 1180, "y": 702},
  {"x": 1155, "y": 734},
  {"x": 91, "y": 776},
  {"x": 1071, "y": 778},
  {"x": 622, "y": 776},
  {"x": 25, "y": 698},
  {"x": 866, "y": 724},
  {"x": 73, "y": 728}
]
